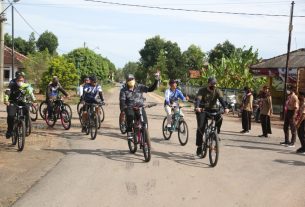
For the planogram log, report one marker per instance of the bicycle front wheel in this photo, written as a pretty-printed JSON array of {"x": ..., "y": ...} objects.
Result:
[
  {"x": 166, "y": 133},
  {"x": 50, "y": 120},
  {"x": 65, "y": 119},
  {"x": 183, "y": 132},
  {"x": 102, "y": 114},
  {"x": 132, "y": 144},
  {"x": 69, "y": 110},
  {"x": 93, "y": 125},
  {"x": 43, "y": 108},
  {"x": 146, "y": 145},
  {"x": 21, "y": 135},
  {"x": 29, "y": 127},
  {"x": 213, "y": 149}
]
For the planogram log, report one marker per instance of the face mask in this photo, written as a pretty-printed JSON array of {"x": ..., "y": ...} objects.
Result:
[
  {"x": 19, "y": 83},
  {"x": 131, "y": 83},
  {"x": 288, "y": 92}
]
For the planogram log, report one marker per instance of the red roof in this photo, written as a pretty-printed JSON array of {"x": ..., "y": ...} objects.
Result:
[{"x": 19, "y": 58}]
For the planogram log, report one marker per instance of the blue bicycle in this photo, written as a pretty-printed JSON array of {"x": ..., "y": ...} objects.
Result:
[{"x": 178, "y": 125}]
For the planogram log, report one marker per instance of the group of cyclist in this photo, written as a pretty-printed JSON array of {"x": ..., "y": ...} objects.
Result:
[{"x": 131, "y": 95}]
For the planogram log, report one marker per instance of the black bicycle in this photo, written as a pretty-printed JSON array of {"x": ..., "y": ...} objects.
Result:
[
  {"x": 92, "y": 120},
  {"x": 59, "y": 110},
  {"x": 43, "y": 107},
  {"x": 140, "y": 133},
  {"x": 178, "y": 124},
  {"x": 122, "y": 122},
  {"x": 19, "y": 129},
  {"x": 211, "y": 139}
]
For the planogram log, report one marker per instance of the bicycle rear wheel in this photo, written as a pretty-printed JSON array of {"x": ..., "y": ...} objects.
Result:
[
  {"x": 93, "y": 125},
  {"x": 33, "y": 112},
  {"x": 65, "y": 119},
  {"x": 21, "y": 135},
  {"x": 132, "y": 144},
  {"x": 183, "y": 132},
  {"x": 122, "y": 122},
  {"x": 146, "y": 145},
  {"x": 42, "y": 108},
  {"x": 166, "y": 133},
  {"x": 213, "y": 149}
]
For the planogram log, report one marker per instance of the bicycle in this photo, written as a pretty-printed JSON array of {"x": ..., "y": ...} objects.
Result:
[
  {"x": 178, "y": 124},
  {"x": 140, "y": 133},
  {"x": 92, "y": 123},
  {"x": 43, "y": 107},
  {"x": 211, "y": 139},
  {"x": 58, "y": 111},
  {"x": 19, "y": 128}
]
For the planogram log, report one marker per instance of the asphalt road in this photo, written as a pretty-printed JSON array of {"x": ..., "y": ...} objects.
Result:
[{"x": 251, "y": 171}]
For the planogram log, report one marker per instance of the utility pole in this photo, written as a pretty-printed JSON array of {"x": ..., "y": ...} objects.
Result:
[
  {"x": 2, "y": 20},
  {"x": 13, "y": 43},
  {"x": 287, "y": 60}
]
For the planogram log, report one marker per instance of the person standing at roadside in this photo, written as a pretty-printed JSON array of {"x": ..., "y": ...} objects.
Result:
[
  {"x": 300, "y": 123},
  {"x": 247, "y": 109},
  {"x": 292, "y": 105},
  {"x": 265, "y": 111}
]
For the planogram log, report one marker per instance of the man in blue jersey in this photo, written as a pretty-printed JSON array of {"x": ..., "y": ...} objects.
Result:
[{"x": 172, "y": 95}]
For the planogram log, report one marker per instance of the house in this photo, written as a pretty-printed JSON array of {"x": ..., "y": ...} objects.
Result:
[
  {"x": 274, "y": 69},
  {"x": 18, "y": 63}
]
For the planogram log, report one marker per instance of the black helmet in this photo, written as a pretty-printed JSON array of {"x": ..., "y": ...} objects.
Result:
[
  {"x": 55, "y": 80},
  {"x": 130, "y": 77},
  {"x": 92, "y": 78},
  {"x": 212, "y": 80},
  {"x": 19, "y": 73}
]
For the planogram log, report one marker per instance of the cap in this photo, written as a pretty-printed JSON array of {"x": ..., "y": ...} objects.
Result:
[
  {"x": 129, "y": 77},
  {"x": 19, "y": 73},
  {"x": 212, "y": 80}
]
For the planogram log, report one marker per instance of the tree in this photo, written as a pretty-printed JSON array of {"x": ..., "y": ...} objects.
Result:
[
  {"x": 88, "y": 62},
  {"x": 64, "y": 70},
  {"x": 233, "y": 71},
  {"x": 36, "y": 65},
  {"x": 20, "y": 45},
  {"x": 174, "y": 61},
  {"x": 194, "y": 58},
  {"x": 130, "y": 68},
  {"x": 220, "y": 51},
  {"x": 31, "y": 44},
  {"x": 49, "y": 41}
]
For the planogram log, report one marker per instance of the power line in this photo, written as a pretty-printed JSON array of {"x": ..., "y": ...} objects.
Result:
[
  {"x": 26, "y": 21},
  {"x": 189, "y": 10}
]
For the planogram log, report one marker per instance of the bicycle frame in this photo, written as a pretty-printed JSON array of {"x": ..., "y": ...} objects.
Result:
[{"x": 138, "y": 124}]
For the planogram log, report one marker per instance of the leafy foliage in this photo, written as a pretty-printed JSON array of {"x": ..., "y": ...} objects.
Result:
[
  {"x": 36, "y": 65},
  {"x": 49, "y": 41},
  {"x": 193, "y": 58},
  {"x": 220, "y": 51},
  {"x": 88, "y": 62},
  {"x": 65, "y": 71},
  {"x": 20, "y": 45}
]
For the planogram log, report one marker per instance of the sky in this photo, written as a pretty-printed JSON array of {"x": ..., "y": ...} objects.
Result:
[{"x": 119, "y": 32}]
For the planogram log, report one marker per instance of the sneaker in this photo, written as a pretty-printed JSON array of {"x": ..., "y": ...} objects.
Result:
[
  {"x": 199, "y": 152},
  {"x": 84, "y": 129},
  {"x": 290, "y": 145},
  {"x": 129, "y": 135},
  {"x": 300, "y": 150},
  {"x": 8, "y": 135},
  {"x": 246, "y": 132},
  {"x": 284, "y": 143},
  {"x": 262, "y": 135},
  {"x": 242, "y": 131}
]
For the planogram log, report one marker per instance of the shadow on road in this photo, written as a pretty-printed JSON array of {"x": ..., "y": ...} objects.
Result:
[
  {"x": 252, "y": 142},
  {"x": 291, "y": 162},
  {"x": 125, "y": 156}
]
